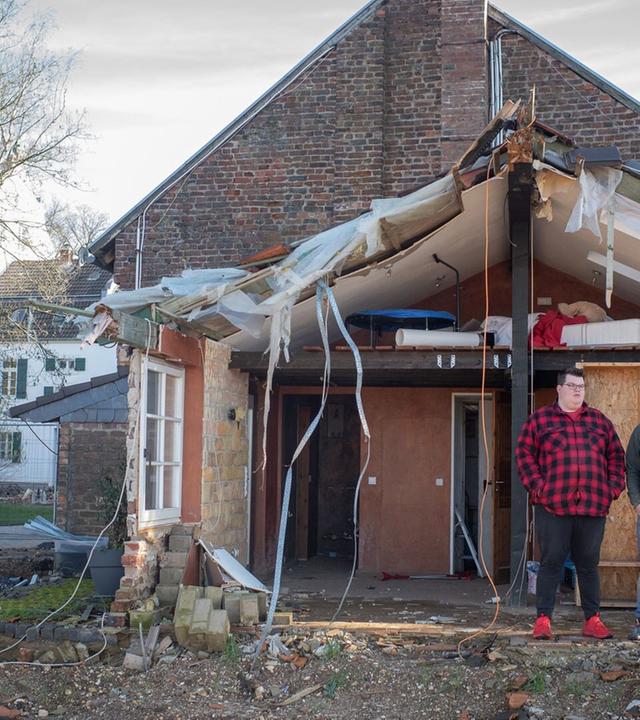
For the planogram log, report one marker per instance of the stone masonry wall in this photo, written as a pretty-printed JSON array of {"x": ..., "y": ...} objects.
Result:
[
  {"x": 384, "y": 112},
  {"x": 225, "y": 479},
  {"x": 87, "y": 452}
]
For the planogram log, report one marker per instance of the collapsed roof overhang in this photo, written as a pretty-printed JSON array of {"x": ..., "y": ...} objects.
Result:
[{"x": 385, "y": 257}]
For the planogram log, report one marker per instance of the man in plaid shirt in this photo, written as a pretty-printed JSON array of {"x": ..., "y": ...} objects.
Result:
[{"x": 572, "y": 464}]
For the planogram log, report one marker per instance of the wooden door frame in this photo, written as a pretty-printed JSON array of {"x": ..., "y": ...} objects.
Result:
[{"x": 488, "y": 518}]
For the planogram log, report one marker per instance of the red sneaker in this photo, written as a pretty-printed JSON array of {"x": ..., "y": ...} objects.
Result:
[
  {"x": 595, "y": 628},
  {"x": 542, "y": 628}
]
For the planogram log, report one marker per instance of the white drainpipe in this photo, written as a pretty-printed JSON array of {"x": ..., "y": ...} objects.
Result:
[{"x": 495, "y": 71}]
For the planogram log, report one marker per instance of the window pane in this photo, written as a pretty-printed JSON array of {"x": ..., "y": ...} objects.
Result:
[
  {"x": 172, "y": 397},
  {"x": 5, "y": 446},
  {"x": 153, "y": 440},
  {"x": 172, "y": 431},
  {"x": 152, "y": 487},
  {"x": 153, "y": 392},
  {"x": 171, "y": 487}
]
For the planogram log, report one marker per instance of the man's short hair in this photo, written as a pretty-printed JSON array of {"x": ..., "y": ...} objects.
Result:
[{"x": 576, "y": 372}]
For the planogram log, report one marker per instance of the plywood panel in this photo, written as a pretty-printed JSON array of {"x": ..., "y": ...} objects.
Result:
[
  {"x": 405, "y": 513},
  {"x": 615, "y": 391}
]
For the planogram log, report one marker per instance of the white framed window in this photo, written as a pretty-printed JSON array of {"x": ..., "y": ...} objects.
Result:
[
  {"x": 10, "y": 447},
  {"x": 9, "y": 377},
  {"x": 161, "y": 435}
]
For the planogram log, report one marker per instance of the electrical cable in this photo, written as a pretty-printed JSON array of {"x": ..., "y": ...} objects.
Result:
[
  {"x": 65, "y": 664},
  {"x": 40, "y": 440},
  {"x": 483, "y": 419},
  {"x": 80, "y": 579}
]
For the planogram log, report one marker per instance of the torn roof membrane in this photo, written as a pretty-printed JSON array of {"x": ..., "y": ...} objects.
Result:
[{"x": 359, "y": 256}]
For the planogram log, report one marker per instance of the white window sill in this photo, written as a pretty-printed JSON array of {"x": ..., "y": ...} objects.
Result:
[{"x": 145, "y": 522}]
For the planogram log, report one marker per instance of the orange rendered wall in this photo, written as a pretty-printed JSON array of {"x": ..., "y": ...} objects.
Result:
[
  {"x": 187, "y": 351},
  {"x": 405, "y": 516}
]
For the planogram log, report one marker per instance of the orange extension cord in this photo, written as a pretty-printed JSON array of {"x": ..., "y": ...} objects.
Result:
[{"x": 483, "y": 418}]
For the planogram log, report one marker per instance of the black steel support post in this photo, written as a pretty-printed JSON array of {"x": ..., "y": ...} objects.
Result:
[{"x": 520, "y": 183}]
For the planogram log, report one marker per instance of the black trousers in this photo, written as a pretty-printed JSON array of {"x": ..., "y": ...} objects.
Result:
[{"x": 559, "y": 535}]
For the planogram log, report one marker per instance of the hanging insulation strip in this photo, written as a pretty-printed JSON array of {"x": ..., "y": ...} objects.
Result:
[
  {"x": 284, "y": 514},
  {"x": 365, "y": 430}
]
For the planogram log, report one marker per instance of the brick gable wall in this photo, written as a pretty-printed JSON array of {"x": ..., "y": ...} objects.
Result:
[
  {"x": 390, "y": 108},
  {"x": 366, "y": 121},
  {"x": 564, "y": 100}
]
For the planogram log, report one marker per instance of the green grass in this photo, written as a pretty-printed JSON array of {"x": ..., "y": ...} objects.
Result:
[
  {"x": 12, "y": 514},
  {"x": 232, "y": 650},
  {"x": 537, "y": 683},
  {"x": 334, "y": 683},
  {"x": 42, "y": 599},
  {"x": 331, "y": 650}
]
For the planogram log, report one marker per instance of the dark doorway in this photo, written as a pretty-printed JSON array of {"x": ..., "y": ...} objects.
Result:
[{"x": 324, "y": 476}]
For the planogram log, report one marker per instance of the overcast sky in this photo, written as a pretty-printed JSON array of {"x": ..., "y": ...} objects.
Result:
[{"x": 159, "y": 78}]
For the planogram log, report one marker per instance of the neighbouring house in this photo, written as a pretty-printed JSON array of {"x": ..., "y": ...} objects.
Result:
[
  {"x": 40, "y": 353},
  {"x": 91, "y": 423},
  {"x": 488, "y": 222}
]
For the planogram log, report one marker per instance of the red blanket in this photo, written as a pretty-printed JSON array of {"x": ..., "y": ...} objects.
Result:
[{"x": 548, "y": 330}]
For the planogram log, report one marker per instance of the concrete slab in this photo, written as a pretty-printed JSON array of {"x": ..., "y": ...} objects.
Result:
[
  {"x": 171, "y": 576},
  {"x": 215, "y": 595},
  {"x": 249, "y": 613},
  {"x": 167, "y": 594},
  {"x": 185, "y": 605},
  {"x": 231, "y": 603}
]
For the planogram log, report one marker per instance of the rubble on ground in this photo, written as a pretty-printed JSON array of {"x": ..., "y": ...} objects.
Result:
[{"x": 340, "y": 674}]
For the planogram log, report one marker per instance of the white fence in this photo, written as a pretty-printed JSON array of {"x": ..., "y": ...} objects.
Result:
[{"x": 28, "y": 454}]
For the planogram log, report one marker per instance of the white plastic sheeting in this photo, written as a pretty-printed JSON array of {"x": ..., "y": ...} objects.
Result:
[
  {"x": 597, "y": 188},
  {"x": 187, "y": 283},
  {"x": 594, "y": 202},
  {"x": 501, "y": 326},
  {"x": 627, "y": 216},
  {"x": 245, "y": 304}
]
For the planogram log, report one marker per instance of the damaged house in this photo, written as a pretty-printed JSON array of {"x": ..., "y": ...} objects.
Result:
[{"x": 272, "y": 286}]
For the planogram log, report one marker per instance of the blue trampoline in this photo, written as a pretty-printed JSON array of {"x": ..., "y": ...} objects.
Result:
[{"x": 391, "y": 320}]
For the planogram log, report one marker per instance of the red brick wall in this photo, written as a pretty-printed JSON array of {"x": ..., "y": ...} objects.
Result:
[
  {"x": 548, "y": 282},
  {"x": 365, "y": 122},
  {"x": 87, "y": 452},
  {"x": 389, "y": 109},
  {"x": 564, "y": 100}
]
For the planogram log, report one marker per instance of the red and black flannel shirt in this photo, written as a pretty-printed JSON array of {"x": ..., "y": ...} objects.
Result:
[{"x": 571, "y": 467}]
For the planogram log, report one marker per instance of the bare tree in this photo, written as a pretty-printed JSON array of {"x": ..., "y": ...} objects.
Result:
[
  {"x": 38, "y": 134},
  {"x": 73, "y": 227}
]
